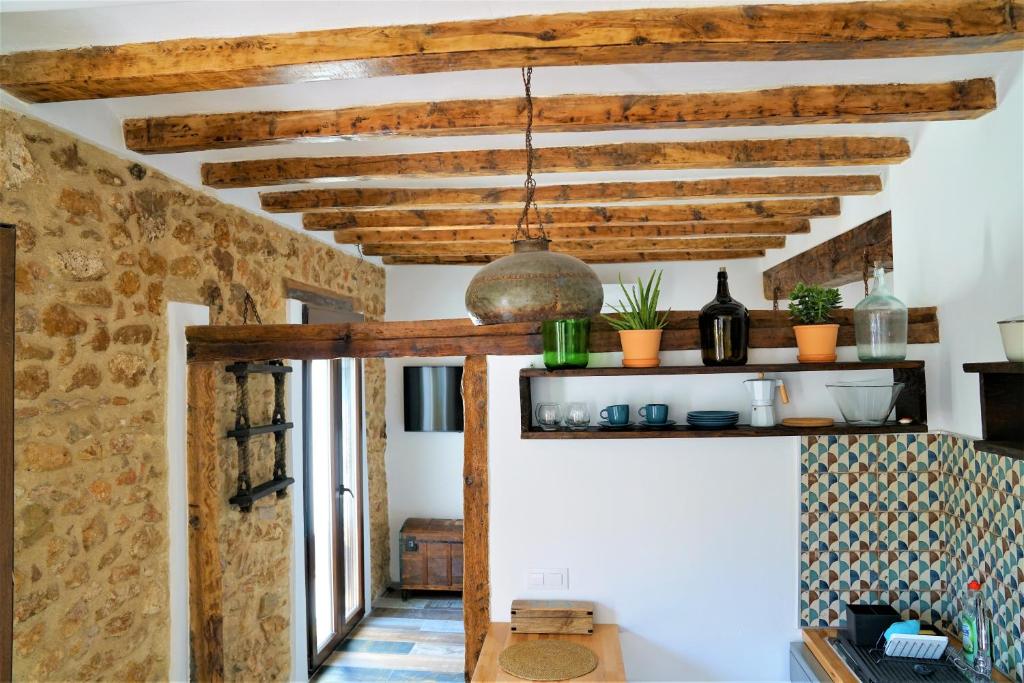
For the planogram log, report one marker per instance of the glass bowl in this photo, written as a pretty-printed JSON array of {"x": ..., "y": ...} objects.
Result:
[{"x": 865, "y": 403}]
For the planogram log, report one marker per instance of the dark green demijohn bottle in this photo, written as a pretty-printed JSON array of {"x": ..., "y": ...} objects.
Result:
[{"x": 724, "y": 328}]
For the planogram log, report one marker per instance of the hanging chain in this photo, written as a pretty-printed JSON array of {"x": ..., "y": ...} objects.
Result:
[
  {"x": 249, "y": 305},
  {"x": 523, "y": 224}
]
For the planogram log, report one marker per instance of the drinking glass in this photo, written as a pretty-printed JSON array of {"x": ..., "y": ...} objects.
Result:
[
  {"x": 549, "y": 415},
  {"x": 577, "y": 416}
]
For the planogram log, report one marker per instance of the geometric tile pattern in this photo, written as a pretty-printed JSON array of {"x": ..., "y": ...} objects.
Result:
[{"x": 908, "y": 520}]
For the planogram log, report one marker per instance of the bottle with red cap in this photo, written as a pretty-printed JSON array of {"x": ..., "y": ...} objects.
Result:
[{"x": 975, "y": 632}]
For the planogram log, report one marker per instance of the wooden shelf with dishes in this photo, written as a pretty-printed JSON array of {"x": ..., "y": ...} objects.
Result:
[
  {"x": 911, "y": 402},
  {"x": 1001, "y": 385}
]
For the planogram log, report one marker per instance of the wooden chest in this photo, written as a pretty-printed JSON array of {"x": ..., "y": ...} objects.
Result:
[
  {"x": 431, "y": 555},
  {"x": 552, "y": 616}
]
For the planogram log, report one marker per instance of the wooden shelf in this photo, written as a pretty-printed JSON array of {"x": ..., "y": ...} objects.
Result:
[
  {"x": 686, "y": 432},
  {"x": 911, "y": 402},
  {"x": 1000, "y": 367},
  {"x": 750, "y": 368},
  {"x": 1007, "y": 448},
  {"x": 1001, "y": 387}
]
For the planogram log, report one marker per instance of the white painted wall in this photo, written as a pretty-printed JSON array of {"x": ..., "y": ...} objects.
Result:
[
  {"x": 179, "y": 316},
  {"x": 296, "y": 467},
  {"x": 958, "y": 241}
]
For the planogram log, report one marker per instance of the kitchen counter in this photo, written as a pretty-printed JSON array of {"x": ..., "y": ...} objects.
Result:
[
  {"x": 835, "y": 667},
  {"x": 604, "y": 643}
]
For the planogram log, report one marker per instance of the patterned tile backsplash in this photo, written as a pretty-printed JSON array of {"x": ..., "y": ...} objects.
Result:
[{"x": 908, "y": 520}]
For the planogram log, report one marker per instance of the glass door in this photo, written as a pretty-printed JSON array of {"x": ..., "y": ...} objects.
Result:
[{"x": 333, "y": 490}]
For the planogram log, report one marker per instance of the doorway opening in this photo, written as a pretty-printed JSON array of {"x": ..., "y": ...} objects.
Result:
[{"x": 333, "y": 505}]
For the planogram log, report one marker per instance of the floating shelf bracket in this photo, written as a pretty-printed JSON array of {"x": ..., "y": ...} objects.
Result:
[{"x": 247, "y": 493}]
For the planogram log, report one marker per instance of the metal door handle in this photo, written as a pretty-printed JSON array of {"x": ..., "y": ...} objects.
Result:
[{"x": 342, "y": 489}]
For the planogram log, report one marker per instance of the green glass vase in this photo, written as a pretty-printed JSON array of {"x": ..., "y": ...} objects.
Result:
[{"x": 566, "y": 343}]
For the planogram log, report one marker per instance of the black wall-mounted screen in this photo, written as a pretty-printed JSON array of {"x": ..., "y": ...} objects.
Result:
[{"x": 433, "y": 398}]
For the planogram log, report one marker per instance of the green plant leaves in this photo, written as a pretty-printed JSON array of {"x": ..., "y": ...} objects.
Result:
[
  {"x": 813, "y": 305},
  {"x": 640, "y": 309}
]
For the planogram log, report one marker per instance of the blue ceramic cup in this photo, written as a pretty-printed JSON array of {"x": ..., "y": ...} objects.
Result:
[
  {"x": 654, "y": 413},
  {"x": 617, "y": 414}
]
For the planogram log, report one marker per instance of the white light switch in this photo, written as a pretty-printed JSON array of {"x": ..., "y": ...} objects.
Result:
[{"x": 548, "y": 579}]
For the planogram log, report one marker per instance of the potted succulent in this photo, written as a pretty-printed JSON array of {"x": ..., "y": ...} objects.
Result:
[
  {"x": 811, "y": 308},
  {"x": 639, "y": 323}
]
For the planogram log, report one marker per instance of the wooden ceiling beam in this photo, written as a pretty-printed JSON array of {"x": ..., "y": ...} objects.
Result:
[
  {"x": 328, "y": 199},
  {"x": 580, "y": 246},
  {"x": 635, "y": 156},
  {"x": 793, "y": 105},
  {"x": 561, "y": 232},
  {"x": 592, "y": 258},
  {"x": 577, "y": 215},
  {"x": 848, "y": 30}
]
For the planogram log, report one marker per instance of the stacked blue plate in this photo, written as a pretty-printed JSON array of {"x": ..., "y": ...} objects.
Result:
[{"x": 712, "y": 419}]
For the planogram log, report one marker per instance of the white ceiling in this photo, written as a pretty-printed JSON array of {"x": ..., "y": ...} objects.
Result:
[{"x": 99, "y": 121}]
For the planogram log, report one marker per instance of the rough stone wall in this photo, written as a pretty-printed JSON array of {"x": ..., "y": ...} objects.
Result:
[{"x": 103, "y": 244}]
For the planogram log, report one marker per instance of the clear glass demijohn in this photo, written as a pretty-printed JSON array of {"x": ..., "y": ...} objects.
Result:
[{"x": 880, "y": 323}]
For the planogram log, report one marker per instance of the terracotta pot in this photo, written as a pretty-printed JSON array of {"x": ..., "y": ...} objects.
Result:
[
  {"x": 640, "y": 348},
  {"x": 816, "y": 343}
]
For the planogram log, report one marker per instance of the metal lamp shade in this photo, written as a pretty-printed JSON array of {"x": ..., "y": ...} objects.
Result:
[{"x": 533, "y": 285}]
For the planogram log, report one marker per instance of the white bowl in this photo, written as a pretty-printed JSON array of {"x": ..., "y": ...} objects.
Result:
[{"x": 1013, "y": 338}]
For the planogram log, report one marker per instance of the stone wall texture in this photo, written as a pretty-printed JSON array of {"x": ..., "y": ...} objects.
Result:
[{"x": 103, "y": 245}]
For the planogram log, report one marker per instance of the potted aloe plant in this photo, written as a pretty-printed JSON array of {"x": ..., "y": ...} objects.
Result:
[
  {"x": 811, "y": 308},
  {"x": 639, "y": 323}
]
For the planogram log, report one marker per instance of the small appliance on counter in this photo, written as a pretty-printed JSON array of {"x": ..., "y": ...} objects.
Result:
[{"x": 762, "y": 399}]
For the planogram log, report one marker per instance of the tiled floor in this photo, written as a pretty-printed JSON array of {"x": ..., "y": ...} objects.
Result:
[{"x": 420, "y": 639}]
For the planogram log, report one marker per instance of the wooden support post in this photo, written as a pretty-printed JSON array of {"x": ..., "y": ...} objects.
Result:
[
  {"x": 8, "y": 241},
  {"x": 206, "y": 590},
  {"x": 476, "y": 591},
  {"x": 839, "y": 261}
]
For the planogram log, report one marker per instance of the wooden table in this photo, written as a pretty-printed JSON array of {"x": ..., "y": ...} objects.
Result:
[
  {"x": 832, "y": 662},
  {"x": 604, "y": 643}
]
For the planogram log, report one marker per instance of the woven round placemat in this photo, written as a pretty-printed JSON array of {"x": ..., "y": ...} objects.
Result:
[{"x": 547, "y": 660}]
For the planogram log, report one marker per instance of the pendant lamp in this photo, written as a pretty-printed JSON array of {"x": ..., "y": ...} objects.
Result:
[{"x": 532, "y": 284}]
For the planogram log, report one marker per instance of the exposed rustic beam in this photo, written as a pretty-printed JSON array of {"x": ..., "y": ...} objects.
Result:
[
  {"x": 592, "y": 257},
  {"x": 327, "y": 199},
  {"x": 476, "y": 582},
  {"x": 8, "y": 250},
  {"x": 635, "y": 156},
  {"x": 577, "y": 215},
  {"x": 567, "y": 113},
  {"x": 205, "y": 505},
  {"x": 854, "y": 30},
  {"x": 459, "y": 337},
  {"x": 789, "y": 226},
  {"x": 577, "y": 247},
  {"x": 841, "y": 260}
]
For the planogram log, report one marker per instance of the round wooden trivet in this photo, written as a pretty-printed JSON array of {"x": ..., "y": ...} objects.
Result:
[
  {"x": 547, "y": 660},
  {"x": 808, "y": 422}
]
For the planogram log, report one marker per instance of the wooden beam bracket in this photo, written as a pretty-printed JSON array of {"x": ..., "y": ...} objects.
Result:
[{"x": 842, "y": 260}]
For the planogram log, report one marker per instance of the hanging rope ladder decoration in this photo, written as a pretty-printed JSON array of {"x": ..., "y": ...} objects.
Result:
[{"x": 247, "y": 493}]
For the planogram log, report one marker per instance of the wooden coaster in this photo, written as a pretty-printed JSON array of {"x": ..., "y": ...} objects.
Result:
[
  {"x": 808, "y": 422},
  {"x": 547, "y": 660}
]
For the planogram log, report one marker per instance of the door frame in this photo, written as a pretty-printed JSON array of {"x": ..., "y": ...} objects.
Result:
[{"x": 205, "y": 551}]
